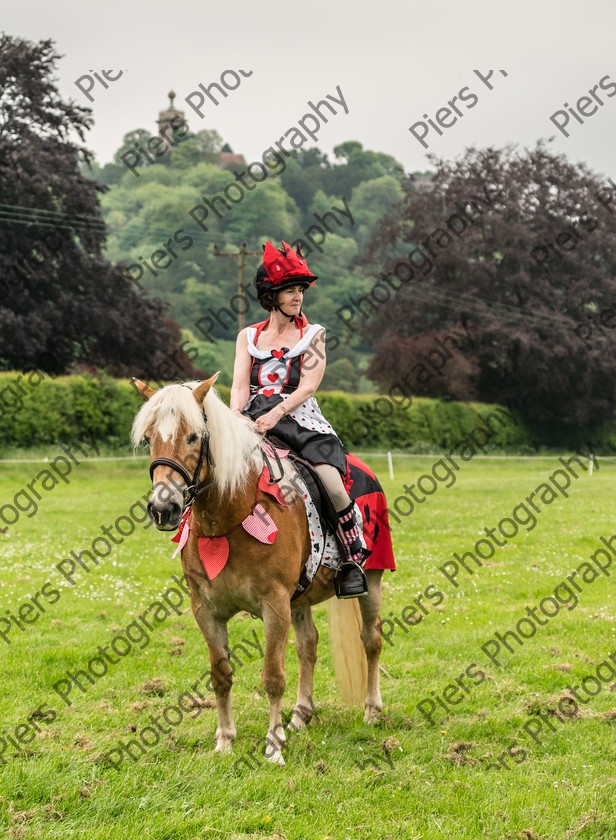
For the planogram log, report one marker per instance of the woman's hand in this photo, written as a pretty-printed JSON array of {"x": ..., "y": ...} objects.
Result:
[{"x": 268, "y": 421}]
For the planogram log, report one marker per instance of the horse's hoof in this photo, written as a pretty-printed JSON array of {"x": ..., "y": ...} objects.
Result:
[
  {"x": 277, "y": 758},
  {"x": 224, "y": 748},
  {"x": 296, "y": 724},
  {"x": 372, "y": 715}
]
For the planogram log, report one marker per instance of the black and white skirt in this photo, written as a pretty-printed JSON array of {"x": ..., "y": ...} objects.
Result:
[{"x": 308, "y": 441}]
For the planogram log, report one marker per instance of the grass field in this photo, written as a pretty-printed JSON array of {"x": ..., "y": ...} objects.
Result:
[{"x": 404, "y": 778}]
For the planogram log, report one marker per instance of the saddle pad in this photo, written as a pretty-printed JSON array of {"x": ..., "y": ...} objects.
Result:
[
  {"x": 365, "y": 490},
  {"x": 324, "y": 547}
]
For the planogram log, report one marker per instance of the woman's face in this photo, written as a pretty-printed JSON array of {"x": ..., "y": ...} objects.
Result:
[{"x": 291, "y": 299}]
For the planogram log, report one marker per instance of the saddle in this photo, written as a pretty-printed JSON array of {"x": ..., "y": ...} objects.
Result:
[
  {"x": 320, "y": 497},
  {"x": 363, "y": 488},
  {"x": 316, "y": 487}
]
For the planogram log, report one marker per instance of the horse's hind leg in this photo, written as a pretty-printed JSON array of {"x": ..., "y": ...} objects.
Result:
[
  {"x": 306, "y": 638},
  {"x": 370, "y": 606},
  {"x": 276, "y": 621},
  {"x": 216, "y": 636}
]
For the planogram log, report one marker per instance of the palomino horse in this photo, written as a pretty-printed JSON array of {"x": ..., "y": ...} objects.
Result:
[{"x": 198, "y": 445}]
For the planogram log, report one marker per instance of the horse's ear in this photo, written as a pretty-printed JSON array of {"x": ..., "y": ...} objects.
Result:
[
  {"x": 145, "y": 390},
  {"x": 201, "y": 390}
]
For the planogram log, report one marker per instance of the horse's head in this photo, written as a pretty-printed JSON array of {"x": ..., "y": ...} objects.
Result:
[{"x": 173, "y": 423}]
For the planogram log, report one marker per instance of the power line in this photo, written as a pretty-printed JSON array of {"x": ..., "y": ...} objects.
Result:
[
  {"x": 66, "y": 221},
  {"x": 40, "y": 217},
  {"x": 453, "y": 300},
  {"x": 509, "y": 309},
  {"x": 240, "y": 277},
  {"x": 42, "y": 211}
]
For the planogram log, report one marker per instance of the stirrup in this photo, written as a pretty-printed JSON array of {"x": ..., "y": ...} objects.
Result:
[{"x": 352, "y": 582}]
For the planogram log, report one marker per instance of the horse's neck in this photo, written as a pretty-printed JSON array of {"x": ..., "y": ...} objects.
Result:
[{"x": 214, "y": 514}]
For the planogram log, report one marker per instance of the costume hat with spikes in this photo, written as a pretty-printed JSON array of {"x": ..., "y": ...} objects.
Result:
[{"x": 282, "y": 268}]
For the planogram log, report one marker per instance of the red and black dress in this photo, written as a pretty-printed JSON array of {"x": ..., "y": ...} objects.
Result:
[{"x": 274, "y": 375}]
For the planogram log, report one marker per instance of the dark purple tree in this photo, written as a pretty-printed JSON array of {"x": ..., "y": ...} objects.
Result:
[
  {"x": 61, "y": 302},
  {"x": 430, "y": 364},
  {"x": 521, "y": 248}
]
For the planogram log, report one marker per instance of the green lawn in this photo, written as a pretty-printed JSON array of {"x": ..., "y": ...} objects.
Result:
[{"x": 405, "y": 778}]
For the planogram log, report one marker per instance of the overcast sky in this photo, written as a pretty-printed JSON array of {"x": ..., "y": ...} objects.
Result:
[{"x": 393, "y": 60}]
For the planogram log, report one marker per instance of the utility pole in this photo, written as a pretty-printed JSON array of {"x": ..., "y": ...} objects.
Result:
[{"x": 240, "y": 276}]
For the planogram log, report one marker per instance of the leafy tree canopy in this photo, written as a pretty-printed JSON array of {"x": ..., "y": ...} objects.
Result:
[{"x": 516, "y": 247}]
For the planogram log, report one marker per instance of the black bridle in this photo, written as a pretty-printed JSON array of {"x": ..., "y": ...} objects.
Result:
[{"x": 192, "y": 484}]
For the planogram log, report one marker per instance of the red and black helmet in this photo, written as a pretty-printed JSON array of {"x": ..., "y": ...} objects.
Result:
[{"x": 282, "y": 268}]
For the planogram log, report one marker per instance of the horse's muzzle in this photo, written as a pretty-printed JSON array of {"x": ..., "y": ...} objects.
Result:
[{"x": 166, "y": 517}]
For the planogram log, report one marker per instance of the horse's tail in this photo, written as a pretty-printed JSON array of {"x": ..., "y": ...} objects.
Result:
[{"x": 344, "y": 620}]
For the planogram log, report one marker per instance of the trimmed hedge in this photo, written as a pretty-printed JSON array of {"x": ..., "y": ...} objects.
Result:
[
  {"x": 36, "y": 409},
  {"x": 377, "y": 422}
]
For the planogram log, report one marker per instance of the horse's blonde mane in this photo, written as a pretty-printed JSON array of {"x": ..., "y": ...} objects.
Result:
[{"x": 234, "y": 444}]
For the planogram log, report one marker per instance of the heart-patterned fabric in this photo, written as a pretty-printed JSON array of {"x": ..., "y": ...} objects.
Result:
[
  {"x": 364, "y": 490},
  {"x": 260, "y": 525},
  {"x": 277, "y": 373}
]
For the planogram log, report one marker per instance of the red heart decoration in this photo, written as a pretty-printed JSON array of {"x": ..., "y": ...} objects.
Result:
[
  {"x": 260, "y": 525},
  {"x": 183, "y": 539},
  {"x": 272, "y": 377},
  {"x": 271, "y": 489},
  {"x": 268, "y": 392},
  {"x": 213, "y": 552},
  {"x": 185, "y": 516},
  {"x": 278, "y": 353}
]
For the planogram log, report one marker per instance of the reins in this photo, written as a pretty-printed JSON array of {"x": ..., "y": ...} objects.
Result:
[{"x": 273, "y": 480}]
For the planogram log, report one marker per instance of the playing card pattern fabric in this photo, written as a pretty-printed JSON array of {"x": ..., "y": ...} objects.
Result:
[
  {"x": 369, "y": 502},
  {"x": 324, "y": 547},
  {"x": 363, "y": 487}
]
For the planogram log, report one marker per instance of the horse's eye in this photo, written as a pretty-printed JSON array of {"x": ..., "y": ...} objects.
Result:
[
  {"x": 147, "y": 439},
  {"x": 193, "y": 438}
]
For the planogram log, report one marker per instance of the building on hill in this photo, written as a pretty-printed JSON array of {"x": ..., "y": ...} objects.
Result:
[
  {"x": 422, "y": 180},
  {"x": 171, "y": 120},
  {"x": 227, "y": 157}
]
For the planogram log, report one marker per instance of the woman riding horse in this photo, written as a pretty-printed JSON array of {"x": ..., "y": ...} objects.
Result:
[
  {"x": 279, "y": 364},
  {"x": 250, "y": 539},
  {"x": 243, "y": 546}
]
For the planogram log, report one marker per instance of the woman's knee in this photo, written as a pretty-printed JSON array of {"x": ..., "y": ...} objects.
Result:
[{"x": 333, "y": 481}]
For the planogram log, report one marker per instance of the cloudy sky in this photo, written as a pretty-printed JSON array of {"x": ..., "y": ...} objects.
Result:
[{"x": 394, "y": 61}]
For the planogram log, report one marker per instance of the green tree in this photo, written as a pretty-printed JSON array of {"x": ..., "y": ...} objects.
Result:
[
  {"x": 138, "y": 136},
  {"x": 370, "y": 202},
  {"x": 356, "y": 164},
  {"x": 202, "y": 147},
  {"x": 340, "y": 375}
]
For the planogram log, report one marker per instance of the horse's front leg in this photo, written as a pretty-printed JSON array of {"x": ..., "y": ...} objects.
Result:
[
  {"x": 216, "y": 636},
  {"x": 276, "y": 621}
]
